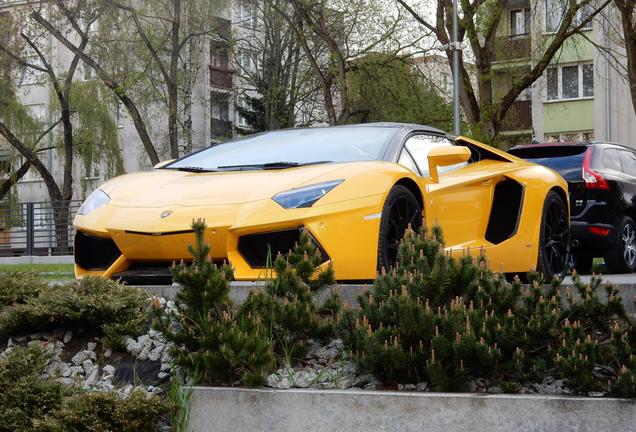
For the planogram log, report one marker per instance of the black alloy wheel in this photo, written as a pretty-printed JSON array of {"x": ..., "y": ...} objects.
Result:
[
  {"x": 621, "y": 258},
  {"x": 554, "y": 238},
  {"x": 400, "y": 210}
]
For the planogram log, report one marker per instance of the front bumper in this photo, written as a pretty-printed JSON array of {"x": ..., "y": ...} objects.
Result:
[{"x": 146, "y": 244}]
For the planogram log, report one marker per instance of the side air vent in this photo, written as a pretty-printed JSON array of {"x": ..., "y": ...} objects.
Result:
[
  {"x": 505, "y": 211},
  {"x": 94, "y": 253},
  {"x": 255, "y": 247}
]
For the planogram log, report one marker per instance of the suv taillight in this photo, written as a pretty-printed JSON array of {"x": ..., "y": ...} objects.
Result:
[{"x": 593, "y": 180}]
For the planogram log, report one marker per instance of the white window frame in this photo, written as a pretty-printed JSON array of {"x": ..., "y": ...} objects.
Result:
[
  {"x": 241, "y": 101},
  {"x": 523, "y": 22},
  {"x": 560, "y": 97},
  {"x": 30, "y": 76},
  {"x": 563, "y": 6},
  {"x": 247, "y": 14},
  {"x": 242, "y": 56}
]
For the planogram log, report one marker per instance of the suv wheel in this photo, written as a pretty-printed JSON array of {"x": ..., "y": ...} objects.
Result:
[{"x": 621, "y": 258}]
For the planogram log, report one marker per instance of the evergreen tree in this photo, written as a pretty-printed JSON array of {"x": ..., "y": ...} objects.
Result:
[
  {"x": 210, "y": 340},
  {"x": 289, "y": 305},
  {"x": 448, "y": 321}
]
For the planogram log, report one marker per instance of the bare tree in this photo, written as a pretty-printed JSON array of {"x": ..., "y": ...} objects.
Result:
[
  {"x": 333, "y": 34},
  {"x": 627, "y": 9},
  {"x": 478, "y": 24}
]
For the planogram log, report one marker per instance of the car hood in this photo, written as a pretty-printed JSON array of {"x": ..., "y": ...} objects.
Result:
[{"x": 165, "y": 187}]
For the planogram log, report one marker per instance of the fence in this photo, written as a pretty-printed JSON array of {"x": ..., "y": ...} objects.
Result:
[{"x": 37, "y": 228}]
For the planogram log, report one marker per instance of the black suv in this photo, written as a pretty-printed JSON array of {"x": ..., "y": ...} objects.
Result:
[{"x": 602, "y": 182}]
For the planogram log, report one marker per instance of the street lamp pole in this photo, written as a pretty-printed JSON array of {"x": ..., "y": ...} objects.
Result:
[{"x": 456, "y": 52}]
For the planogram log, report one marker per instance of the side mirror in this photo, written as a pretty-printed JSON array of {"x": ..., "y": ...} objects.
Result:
[
  {"x": 445, "y": 156},
  {"x": 163, "y": 163}
]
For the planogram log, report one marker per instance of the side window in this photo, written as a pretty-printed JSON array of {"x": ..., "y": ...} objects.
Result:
[
  {"x": 628, "y": 161},
  {"x": 407, "y": 161},
  {"x": 420, "y": 145},
  {"x": 611, "y": 160}
]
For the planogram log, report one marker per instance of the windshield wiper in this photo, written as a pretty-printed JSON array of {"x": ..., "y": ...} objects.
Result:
[
  {"x": 270, "y": 165},
  {"x": 193, "y": 169}
]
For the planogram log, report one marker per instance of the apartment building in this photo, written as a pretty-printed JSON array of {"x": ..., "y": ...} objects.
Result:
[{"x": 582, "y": 95}]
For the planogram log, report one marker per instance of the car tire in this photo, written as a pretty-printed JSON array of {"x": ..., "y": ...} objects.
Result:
[
  {"x": 400, "y": 210},
  {"x": 621, "y": 258},
  {"x": 554, "y": 238},
  {"x": 581, "y": 262}
]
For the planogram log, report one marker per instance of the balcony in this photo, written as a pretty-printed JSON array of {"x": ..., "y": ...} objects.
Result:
[
  {"x": 221, "y": 128},
  {"x": 222, "y": 27},
  {"x": 519, "y": 116},
  {"x": 221, "y": 77},
  {"x": 509, "y": 48}
]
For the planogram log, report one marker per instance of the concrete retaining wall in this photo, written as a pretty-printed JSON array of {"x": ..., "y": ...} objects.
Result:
[
  {"x": 242, "y": 410},
  {"x": 350, "y": 293}
]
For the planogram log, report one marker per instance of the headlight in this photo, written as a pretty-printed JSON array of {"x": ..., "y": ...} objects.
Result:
[
  {"x": 304, "y": 196},
  {"x": 94, "y": 201}
]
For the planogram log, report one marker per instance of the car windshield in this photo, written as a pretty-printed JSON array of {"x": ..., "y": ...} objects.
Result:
[{"x": 292, "y": 147}]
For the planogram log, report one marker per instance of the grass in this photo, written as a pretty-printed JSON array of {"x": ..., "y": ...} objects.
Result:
[{"x": 47, "y": 271}]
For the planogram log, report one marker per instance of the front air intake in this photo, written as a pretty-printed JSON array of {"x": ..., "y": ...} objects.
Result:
[
  {"x": 505, "y": 211},
  {"x": 94, "y": 253},
  {"x": 254, "y": 248}
]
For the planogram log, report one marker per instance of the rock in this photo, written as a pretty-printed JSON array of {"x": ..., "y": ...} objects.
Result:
[
  {"x": 370, "y": 386},
  {"x": 87, "y": 365},
  {"x": 155, "y": 354},
  {"x": 278, "y": 382},
  {"x": 596, "y": 394},
  {"x": 548, "y": 380},
  {"x": 363, "y": 380},
  {"x": 495, "y": 390},
  {"x": 420, "y": 387},
  {"x": 9, "y": 343},
  {"x": 143, "y": 355},
  {"x": 76, "y": 370},
  {"x": 20, "y": 339},
  {"x": 165, "y": 367},
  {"x": 59, "y": 344},
  {"x": 331, "y": 351},
  {"x": 79, "y": 358},
  {"x": 346, "y": 382},
  {"x": 68, "y": 336},
  {"x": 132, "y": 346},
  {"x": 91, "y": 346},
  {"x": 66, "y": 381},
  {"x": 125, "y": 391},
  {"x": 163, "y": 375},
  {"x": 108, "y": 372},
  {"x": 166, "y": 357},
  {"x": 91, "y": 378},
  {"x": 409, "y": 387},
  {"x": 36, "y": 336},
  {"x": 304, "y": 379},
  {"x": 108, "y": 353},
  {"x": 66, "y": 370},
  {"x": 155, "y": 391}
]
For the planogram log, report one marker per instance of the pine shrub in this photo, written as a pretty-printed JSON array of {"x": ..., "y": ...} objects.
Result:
[
  {"x": 289, "y": 305},
  {"x": 447, "y": 321},
  {"x": 211, "y": 341},
  {"x": 18, "y": 287}
]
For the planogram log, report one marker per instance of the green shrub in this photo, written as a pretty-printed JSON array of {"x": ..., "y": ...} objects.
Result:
[
  {"x": 288, "y": 305},
  {"x": 18, "y": 287},
  {"x": 210, "y": 340},
  {"x": 448, "y": 321},
  {"x": 116, "y": 310},
  {"x": 25, "y": 398},
  {"x": 29, "y": 403},
  {"x": 104, "y": 412}
]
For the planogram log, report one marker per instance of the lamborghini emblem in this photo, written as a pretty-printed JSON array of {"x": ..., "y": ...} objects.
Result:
[{"x": 166, "y": 213}]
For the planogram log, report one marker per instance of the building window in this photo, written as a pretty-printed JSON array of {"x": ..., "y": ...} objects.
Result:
[
  {"x": 555, "y": 12},
  {"x": 519, "y": 22},
  {"x": 219, "y": 56},
  {"x": 29, "y": 75},
  {"x": 242, "y": 102},
  {"x": 245, "y": 62},
  {"x": 246, "y": 14},
  {"x": 570, "y": 82},
  {"x": 571, "y": 136},
  {"x": 89, "y": 73}
]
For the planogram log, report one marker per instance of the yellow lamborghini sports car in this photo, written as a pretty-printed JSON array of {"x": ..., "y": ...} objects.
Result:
[{"x": 354, "y": 189}]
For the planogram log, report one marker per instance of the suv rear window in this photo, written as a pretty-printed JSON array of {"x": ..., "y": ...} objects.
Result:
[{"x": 566, "y": 160}]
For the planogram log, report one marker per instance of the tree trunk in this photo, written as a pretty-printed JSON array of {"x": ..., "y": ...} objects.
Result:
[
  {"x": 629, "y": 34},
  {"x": 172, "y": 82}
]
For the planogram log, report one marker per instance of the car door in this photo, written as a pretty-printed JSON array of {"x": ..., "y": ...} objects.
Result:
[
  {"x": 628, "y": 187},
  {"x": 460, "y": 202}
]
